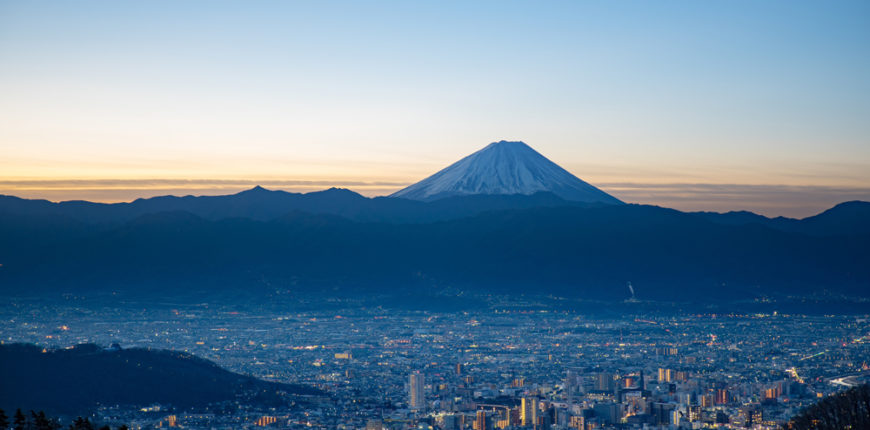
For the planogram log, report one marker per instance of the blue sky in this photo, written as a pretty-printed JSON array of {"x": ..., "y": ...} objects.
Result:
[{"x": 652, "y": 101}]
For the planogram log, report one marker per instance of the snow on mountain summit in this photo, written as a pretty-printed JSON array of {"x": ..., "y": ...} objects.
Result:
[{"x": 504, "y": 167}]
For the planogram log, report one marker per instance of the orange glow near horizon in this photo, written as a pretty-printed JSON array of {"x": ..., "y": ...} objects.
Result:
[
  {"x": 684, "y": 184},
  {"x": 112, "y": 102},
  {"x": 771, "y": 200}
]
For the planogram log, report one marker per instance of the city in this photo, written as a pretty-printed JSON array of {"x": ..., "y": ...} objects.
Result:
[{"x": 488, "y": 369}]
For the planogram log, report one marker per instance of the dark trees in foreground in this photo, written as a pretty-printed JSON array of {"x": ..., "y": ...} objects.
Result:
[
  {"x": 849, "y": 409},
  {"x": 20, "y": 421},
  {"x": 39, "y": 421}
]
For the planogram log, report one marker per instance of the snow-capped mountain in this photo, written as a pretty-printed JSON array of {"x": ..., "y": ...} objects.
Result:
[{"x": 505, "y": 168}]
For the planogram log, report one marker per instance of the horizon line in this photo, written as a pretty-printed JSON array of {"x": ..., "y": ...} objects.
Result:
[{"x": 794, "y": 201}]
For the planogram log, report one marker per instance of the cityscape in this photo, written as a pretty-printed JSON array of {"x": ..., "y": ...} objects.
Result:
[{"x": 504, "y": 367}]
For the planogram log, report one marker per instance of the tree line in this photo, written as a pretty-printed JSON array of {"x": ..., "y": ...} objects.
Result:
[{"x": 39, "y": 421}]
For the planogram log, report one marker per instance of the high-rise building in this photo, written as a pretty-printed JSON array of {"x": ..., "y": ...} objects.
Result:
[
  {"x": 642, "y": 385},
  {"x": 481, "y": 422},
  {"x": 266, "y": 420},
  {"x": 611, "y": 413},
  {"x": 448, "y": 422},
  {"x": 661, "y": 413},
  {"x": 665, "y": 375},
  {"x": 577, "y": 422},
  {"x": 693, "y": 413},
  {"x": 416, "y": 395},
  {"x": 570, "y": 379},
  {"x": 604, "y": 382},
  {"x": 560, "y": 417},
  {"x": 752, "y": 415},
  {"x": 677, "y": 417},
  {"x": 721, "y": 396},
  {"x": 528, "y": 411},
  {"x": 514, "y": 415},
  {"x": 543, "y": 422},
  {"x": 707, "y": 400}
]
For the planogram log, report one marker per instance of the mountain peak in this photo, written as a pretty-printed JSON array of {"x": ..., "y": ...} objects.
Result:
[
  {"x": 507, "y": 143},
  {"x": 256, "y": 191},
  {"x": 505, "y": 167}
]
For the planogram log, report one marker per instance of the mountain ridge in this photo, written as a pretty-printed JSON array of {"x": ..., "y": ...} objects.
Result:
[
  {"x": 262, "y": 204},
  {"x": 575, "y": 251}
]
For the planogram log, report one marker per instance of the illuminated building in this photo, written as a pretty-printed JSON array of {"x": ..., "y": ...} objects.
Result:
[
  {"x": 417, "y": 397},
  {"x": 721, "y": 396},
  {"x": 707, "y": 401},
  {"x": 665, "y": 375},
  {"x": 693, "y": 413},
  {"x": 577, "y": 422},
  {"x": 528, "y": 411},
  {"x": 266, "y": 420},
  {"x": 752, "y": 416},
  {"x": 481, "y": 422}
]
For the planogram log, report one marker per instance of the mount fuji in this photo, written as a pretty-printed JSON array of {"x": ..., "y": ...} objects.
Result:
[{"x": 505, "y": 168}]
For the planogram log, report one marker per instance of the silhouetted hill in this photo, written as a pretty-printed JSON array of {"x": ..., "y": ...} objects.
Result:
[
  {"x": 848, "y": 218},
  {"x": 86, "y": 376},
  {"x": 260, "y": 204},
  {"x": 585, "y": 252}
]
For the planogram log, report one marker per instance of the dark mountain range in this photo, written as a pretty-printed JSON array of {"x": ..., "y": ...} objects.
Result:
[
  {"x": 264, "y": 205},
  {"x": 261, "y": 204},
  {"x": 585, "y": 252},
  {"x": 846, "y": 218},
  {"x": 86, "y": 376}
]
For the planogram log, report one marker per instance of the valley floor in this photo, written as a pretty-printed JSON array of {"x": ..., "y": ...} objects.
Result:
[{"x": 622, "y": 371}]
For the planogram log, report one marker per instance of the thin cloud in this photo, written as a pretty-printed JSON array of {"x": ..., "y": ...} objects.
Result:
[
  {"x": 74, "y": 184},
  {"x": 771, "y": 200}
]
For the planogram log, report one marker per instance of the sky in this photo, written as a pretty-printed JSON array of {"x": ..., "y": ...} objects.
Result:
[{"x": 731, "y": 105}]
